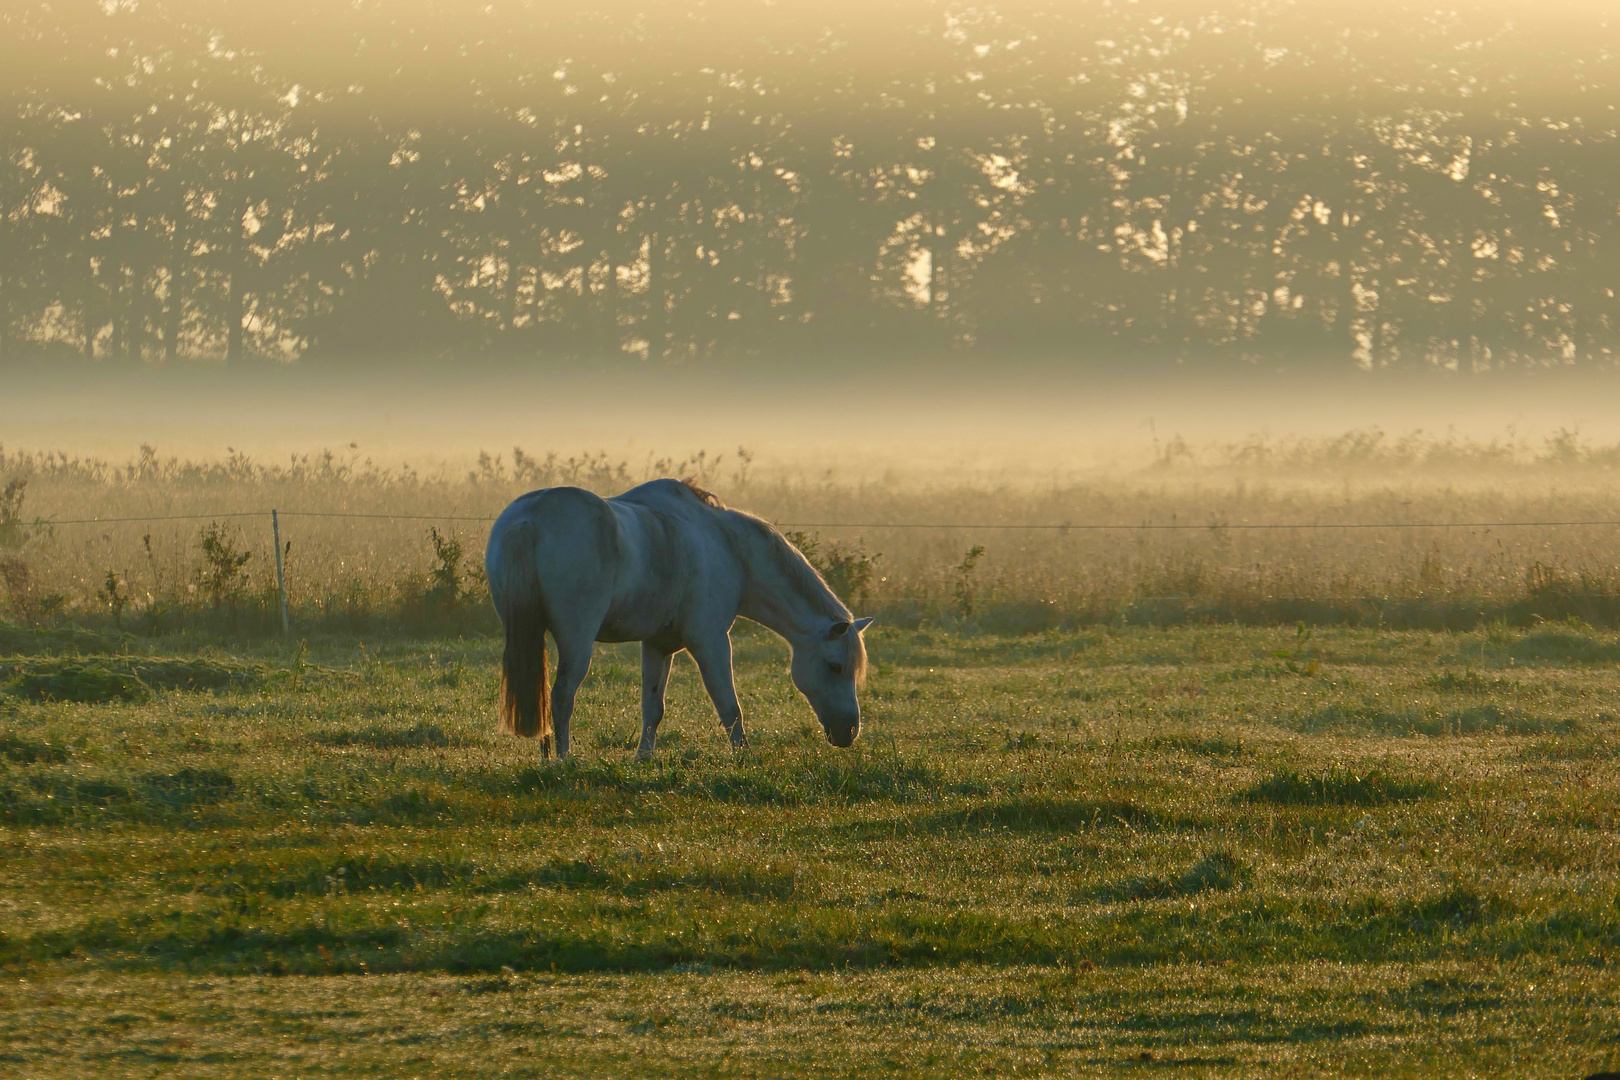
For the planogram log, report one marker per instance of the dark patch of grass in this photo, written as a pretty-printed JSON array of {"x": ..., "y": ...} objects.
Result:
[
  {"x": 88, "y": 682},
  {"x": 865, "y": 778},
  {"x": 415, "y": 737},
  {"x": 1587, "y": 748},
  {"x": 188, "y": 787},
  {"x": 1486, "y": 719},
  {"x": 57, "y": 640},
  {"x": 1339, "y": 787},
  {"x": 56, "y": 798},
  {"x": 1489, "y": 719},
  {"x": 412, "y": 804},
  {"x": 1041, "y": 814},
  {"x": 1341, "y": 716},
  {"x": 1445, "y": 996},
  {"x": 1457, "y": 907},
  {"x": 26, "y": 751},
  {"x": 1564, "y": 644},
  {"x": 848, "y": 778},
  {"x": 126, "y": 680},
  {"x": 592, "y": 929},
  {"x": 1470, "y": 681},
  {"x": 1197, "y": 745},
  {"x": 1218, "y": 871},
  {"x": 195, "y": 674},
  {"x": 630, "y": 876},
  {"x": 50, "y": 800}
]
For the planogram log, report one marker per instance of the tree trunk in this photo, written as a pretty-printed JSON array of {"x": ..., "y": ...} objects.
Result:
[
  {"x": 609, "y": 304},
  {"x": 233, "y": 319},
  {"x": 5, "y": 291},
  {"x": 938, "y": 286},
  {"x": 88, "y": 312},
  {"x": 656, "y": 349},
  {"x": 514, "y": 276},
  {"x": 235, "y": 304},
  {"x": 172, "y": 307},
  {"x": 118, "y": 340}
]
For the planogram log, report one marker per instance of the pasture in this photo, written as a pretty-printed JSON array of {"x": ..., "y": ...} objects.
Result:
[{"x": 1201, "y": 850}]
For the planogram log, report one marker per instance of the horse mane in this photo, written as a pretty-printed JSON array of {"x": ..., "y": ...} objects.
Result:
[
  {"x": 802, "y": 577},
  {"x": 709, "y": 498}
]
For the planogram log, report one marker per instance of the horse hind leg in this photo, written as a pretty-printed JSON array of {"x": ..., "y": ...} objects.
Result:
[
  {"x": 573, "y": 664},
  {"x": 655, "y": 663}
]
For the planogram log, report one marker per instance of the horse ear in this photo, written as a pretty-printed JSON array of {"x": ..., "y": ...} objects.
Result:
[
  {"x": 837, "y": 630},
  {"x": 862, "y": 624}
]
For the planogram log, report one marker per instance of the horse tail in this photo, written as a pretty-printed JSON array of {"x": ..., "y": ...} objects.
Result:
[{"x": 525, "y": 707}]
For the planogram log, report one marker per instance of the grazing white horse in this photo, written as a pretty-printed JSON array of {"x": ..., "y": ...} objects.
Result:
[{"x": 667, "y": 565}]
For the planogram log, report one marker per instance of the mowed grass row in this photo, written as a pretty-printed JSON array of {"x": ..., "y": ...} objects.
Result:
[
  {"x": 1043, "y": 829},
  {"x": 1521, "y": 1019}
]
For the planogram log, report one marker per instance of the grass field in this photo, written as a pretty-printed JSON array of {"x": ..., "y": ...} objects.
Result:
[{"x": 1206, "y": 850}]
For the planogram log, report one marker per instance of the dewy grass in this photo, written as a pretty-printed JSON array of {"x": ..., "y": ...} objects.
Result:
[{"x": 1065, "y": 850}]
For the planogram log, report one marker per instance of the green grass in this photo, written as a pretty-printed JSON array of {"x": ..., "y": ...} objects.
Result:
[{"x": 1373, "y": 853}]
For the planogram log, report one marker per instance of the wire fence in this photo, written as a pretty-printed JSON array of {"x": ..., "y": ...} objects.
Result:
[
  {"x": 1033, "y": 526},
  {"x": 276, "y": 521}
]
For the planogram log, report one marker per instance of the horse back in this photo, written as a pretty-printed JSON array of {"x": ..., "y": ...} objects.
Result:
[
  {"x": 640, "y": 565},
  {"x": 677, "y": 558},
  {"x": 568, "y": 534}
]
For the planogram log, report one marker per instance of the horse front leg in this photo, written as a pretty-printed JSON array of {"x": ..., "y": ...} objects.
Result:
[
  {"x": 713, "y": 658},
  {"x": 655, "y": 664}
]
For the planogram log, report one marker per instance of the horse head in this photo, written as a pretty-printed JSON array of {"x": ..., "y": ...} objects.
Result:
[{"x": 828, "y": 668}]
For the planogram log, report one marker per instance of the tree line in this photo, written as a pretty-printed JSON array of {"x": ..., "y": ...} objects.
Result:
[{"x": 1269, "y": 182}]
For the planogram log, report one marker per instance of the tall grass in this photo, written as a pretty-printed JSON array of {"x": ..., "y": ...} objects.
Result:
[{"x": 203, "y": 568}]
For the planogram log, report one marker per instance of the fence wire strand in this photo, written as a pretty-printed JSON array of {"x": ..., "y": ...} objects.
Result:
[{"x": 1031, "y": 526}]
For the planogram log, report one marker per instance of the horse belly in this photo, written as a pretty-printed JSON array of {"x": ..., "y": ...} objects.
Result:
[
  {"x": 649, "y": 608},
  {"x": 639, "y": 626}
]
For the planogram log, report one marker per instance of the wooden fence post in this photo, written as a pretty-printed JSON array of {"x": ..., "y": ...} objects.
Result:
[{"x": 281, "y": 577}]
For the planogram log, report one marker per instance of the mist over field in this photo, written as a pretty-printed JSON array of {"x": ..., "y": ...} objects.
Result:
[{"x": 979, "y": 421}]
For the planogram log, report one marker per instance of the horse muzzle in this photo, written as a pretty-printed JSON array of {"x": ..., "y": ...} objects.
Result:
[{"x": 842, "y": 735}]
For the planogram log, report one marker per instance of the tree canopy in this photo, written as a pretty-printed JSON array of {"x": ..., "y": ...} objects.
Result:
[{"x": 1259, "y": 180}]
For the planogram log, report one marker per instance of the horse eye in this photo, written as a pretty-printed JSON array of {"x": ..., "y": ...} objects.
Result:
[{"x": 836, "y": 669}]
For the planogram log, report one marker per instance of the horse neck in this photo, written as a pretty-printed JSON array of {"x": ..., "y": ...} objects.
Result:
[{"x": 782, "y": 595}]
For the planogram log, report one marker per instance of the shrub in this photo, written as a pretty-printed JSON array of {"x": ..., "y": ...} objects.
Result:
[{"x": 223, "y": 575}]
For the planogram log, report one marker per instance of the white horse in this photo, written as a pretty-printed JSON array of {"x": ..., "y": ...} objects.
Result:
[{"x": 667, "y": 565}]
